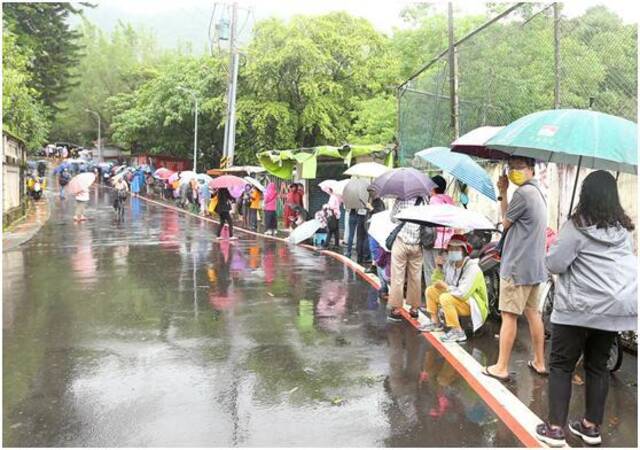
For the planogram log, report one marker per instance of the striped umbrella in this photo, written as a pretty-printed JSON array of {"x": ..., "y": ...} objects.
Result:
[{"x": 461, "y": 167}]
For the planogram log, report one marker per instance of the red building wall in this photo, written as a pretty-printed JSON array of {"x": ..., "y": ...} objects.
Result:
[{"x": 169, "y": 162}]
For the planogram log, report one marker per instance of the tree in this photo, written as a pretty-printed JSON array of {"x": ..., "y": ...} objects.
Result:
[
  {"x": 23, "y": 113},
  {"x": 43, "y": 28},
  {"x": 112, "y": 64}
]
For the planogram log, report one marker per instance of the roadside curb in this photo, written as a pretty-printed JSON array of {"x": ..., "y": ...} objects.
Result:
[
  {"x": 12, "y": 238},
  {"x": 520, "y": 420}
]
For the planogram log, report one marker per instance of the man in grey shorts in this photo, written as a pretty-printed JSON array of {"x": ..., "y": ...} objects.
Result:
[{"x": 522, "y": 269}]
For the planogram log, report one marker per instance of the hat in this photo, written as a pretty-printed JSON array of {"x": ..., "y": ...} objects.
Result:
[{"x": 458, "y": 240}]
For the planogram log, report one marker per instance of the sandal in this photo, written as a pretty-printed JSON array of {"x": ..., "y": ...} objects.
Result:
[
  {"x": 542, "y": 373},
  {"x": 486, "y": 372}
]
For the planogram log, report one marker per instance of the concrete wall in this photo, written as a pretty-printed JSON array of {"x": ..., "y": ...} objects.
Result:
[{"x": 13, "y": 191}]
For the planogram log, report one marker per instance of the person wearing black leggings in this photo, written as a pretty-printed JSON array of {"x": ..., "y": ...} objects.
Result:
[{"x": 223, "y": 209}]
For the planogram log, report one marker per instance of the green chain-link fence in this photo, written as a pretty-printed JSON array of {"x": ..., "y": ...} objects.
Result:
[{"x": 508, "y": 70}]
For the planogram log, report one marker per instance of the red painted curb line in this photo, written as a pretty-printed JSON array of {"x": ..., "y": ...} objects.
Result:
[{"x": 522, "y": 434}]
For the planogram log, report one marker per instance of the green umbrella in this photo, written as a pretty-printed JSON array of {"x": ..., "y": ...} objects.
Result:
[
  {"x": 585, "y": 138},
  {"x": 579, "y": 137}
]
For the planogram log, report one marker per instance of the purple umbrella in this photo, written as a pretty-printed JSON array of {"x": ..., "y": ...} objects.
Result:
[{"x": 404, "y": 183}]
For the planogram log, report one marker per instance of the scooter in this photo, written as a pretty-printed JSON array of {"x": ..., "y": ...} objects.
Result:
[{"x": 625, "y": 340}]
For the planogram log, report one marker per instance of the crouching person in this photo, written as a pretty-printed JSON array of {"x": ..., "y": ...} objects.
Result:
[{"x": 459, "y": 289}]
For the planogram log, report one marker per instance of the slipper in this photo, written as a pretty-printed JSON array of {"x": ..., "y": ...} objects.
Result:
[
  {"x": 539, "y": 372},
  {"x": 486, "y": 372}
]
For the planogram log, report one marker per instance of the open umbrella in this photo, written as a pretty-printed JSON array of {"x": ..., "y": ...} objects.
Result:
[
  {"x": 367, "y": 170},
  {"x": 355, "y": 195},
  {"x": 187, "y": 175},
  {"x": 586, "y": 138},
  {"x": 227, "y": 181},
  {"x": 304, "y": 231},
  {"x": 336, "y": 186},
  {"x": 446, "y": 216},
  {"x": 473, "y": 143},
  {"x": 163, "y": 173},
  {"x": 255, "y": 183},
  {"x": 381, "y": 226},
  {"x": 579, "y": 137},
  {"x": 461, "y": 167},
  {"x": 403, "y": 183},
  {"x": 80, "y": 183}
]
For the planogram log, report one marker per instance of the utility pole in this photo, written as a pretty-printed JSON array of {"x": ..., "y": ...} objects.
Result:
[
  {"x": 556, "y": 55},
  {"x": 99, "y": 139},
  {"x": 453, "y": 78},
  {"x": 230, "y": 126},
  {"x": 195, "y": 134}
]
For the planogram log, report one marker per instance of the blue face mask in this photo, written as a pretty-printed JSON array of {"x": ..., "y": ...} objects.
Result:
[{"x": 454, "y": 256}]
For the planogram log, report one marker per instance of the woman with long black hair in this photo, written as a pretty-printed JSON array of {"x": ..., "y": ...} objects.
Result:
[{"x": 595, "y": 297}]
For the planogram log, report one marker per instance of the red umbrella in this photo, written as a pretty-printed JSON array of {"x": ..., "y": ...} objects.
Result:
[
  {"x": 80, "y": 183},
  {"x": 163, "y": 173},
  {"x": 473, "y": 143},
  {"x": 227, "y": 181}
]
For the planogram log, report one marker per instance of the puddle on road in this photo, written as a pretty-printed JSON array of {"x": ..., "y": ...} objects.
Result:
[{"x": 149, "y": 333}]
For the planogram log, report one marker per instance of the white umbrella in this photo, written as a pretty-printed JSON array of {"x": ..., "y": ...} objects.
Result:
[
  {"x": 447, "y": 216},
  {"x": 336, "y": 186},
  {"x": 255, "y": 183},
  {"x": 381, "y": 226},
  {"x": 367, "y": 170},
  {"x": 304, "y": 231}
]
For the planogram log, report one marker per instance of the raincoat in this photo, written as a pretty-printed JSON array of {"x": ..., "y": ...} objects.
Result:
[
  {"x": 597, "y": 284},
  {"x": 270, "y": 197},
  {"x": 466, "y": 283}
]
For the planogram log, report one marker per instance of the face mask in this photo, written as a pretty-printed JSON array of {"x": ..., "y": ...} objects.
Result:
[
  {"x": 454, "y": 256},
  {"x": 517, "y": 177}
]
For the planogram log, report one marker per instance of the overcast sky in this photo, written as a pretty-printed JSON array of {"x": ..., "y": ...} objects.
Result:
[{"x": 192, "y": 16}]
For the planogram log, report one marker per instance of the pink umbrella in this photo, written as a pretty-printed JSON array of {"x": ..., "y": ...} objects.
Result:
[
  {"x": 227, "y": 181},
  {"x": 173, "y": 177},
  {"x": 80, "y": 182},
  {"x": 163, "y": 173},
  {"x": 472, "y": 143}
]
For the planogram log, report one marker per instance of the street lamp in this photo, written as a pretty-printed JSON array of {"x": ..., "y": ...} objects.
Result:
[
  {"x": 99, "y": 140},
  {"x": 195, "y": 135}
]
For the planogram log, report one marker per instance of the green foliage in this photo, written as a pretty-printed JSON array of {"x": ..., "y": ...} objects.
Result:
[
  {"x": 111, "y": 65},
  {"x": 23, "y": 113},
  {"x": 43, "y": 29}
]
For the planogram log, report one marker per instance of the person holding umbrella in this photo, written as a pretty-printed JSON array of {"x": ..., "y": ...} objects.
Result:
[
  {"x": 222, "y": 208},
  {"x": 443, "y": 234},
  {"x": 522, "y": 269}
]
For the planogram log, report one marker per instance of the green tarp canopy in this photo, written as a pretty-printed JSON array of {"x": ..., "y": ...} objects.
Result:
[{"x": 282, "y": 162}]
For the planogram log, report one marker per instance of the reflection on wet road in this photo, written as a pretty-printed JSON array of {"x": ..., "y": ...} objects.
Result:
[{"x": 150, "y": 333}]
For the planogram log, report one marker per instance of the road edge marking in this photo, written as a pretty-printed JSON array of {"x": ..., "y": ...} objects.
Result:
[{"x": 486, "y": 388}]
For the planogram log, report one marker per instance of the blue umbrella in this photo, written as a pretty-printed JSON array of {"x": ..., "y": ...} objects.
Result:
[{"x": 461, "y": 167}]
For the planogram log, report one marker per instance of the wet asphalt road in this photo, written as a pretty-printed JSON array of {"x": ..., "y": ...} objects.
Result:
[{"x": 150, "y": 333}]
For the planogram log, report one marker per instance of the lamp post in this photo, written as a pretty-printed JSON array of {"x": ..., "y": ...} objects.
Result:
[
  {"x": 195, "y": 134},
  {"x": 99, "y": 140}
]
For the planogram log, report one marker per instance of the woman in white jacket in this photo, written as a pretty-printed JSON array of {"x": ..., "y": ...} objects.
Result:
[{"x": 595, "y": 297}]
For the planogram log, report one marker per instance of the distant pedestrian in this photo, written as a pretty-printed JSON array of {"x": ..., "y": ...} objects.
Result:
[
  {"x": 63, "y": 180},
  {"x": 522, "y": 269},
  {"x": 270, "y": 205},
  {"x": 254, "y": 207},
  {"x": 244, "y": 203},
  {"x": 290, "y": 203},
  {"x": 82, "y": 199},
  {"x": 223, "y": 208},
  {"x": 595, "y": 297},
  {"x": 205, "y": 198}
]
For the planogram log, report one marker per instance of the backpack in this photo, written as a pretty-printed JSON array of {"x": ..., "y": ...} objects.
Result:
[{"x": 64, "y": 179}]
